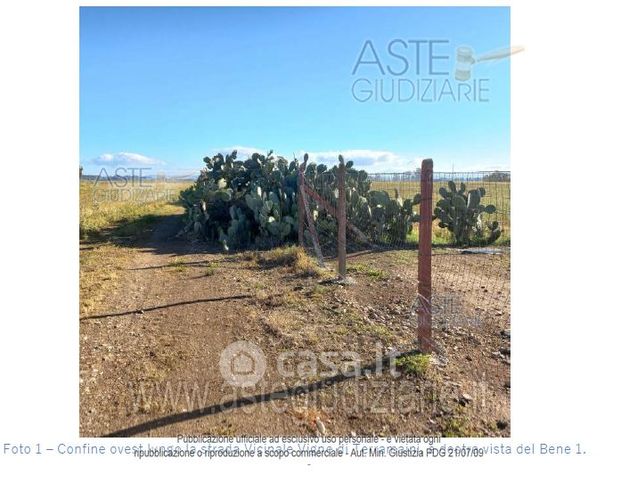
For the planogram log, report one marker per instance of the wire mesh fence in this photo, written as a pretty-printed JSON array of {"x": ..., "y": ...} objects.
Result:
[
  {"x": 496, "y": 189},
  {"x": 469, "y": 224},
  {"x": 385, "y": 209},
  {"x": 377, "y": 217},
  {"x": 471, "y": 235},
  {"x": 322, "y": 201}
]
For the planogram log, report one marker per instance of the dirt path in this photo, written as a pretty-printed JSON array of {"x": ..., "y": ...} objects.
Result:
[
  {"x": 155, "y": 348},
  {"x": 149, "y": 357}
]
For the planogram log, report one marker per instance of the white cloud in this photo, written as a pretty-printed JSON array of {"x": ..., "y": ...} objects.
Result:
[
  {"x": 367, "y": 159},
  {"x": 243, "y": 152},
  {"x": 378, "y": 161},
  {"x": 370, "y": 160},
  {"x": 125, "y": 159}
]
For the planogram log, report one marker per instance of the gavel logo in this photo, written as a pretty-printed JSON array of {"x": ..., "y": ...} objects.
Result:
[{"x": 465, "y": 59}]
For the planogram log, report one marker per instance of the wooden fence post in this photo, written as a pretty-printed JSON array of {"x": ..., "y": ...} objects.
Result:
[
  {"x": 342, "y": 221},
  {"x": 311, "y": 224},
  {"x": 424, "y": 257},
  {"x": 300, "y": 207}
]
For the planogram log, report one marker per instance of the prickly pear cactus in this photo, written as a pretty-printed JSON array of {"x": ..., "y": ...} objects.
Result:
[
  {"x": 243, "y": 202},
  {"x": 239, "y": 203},
  {"x": 461, "y": 212}
]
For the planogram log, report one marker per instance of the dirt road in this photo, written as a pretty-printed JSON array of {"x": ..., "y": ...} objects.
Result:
[{"x": 151, "y": 355}]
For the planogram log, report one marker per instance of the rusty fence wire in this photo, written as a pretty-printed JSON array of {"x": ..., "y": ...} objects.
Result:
[
  {"x": 471, "y": 260},
  {"x": 470, "y": 234}
]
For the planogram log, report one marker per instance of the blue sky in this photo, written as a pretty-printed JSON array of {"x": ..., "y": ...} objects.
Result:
[{"x": 163, "y": 87}]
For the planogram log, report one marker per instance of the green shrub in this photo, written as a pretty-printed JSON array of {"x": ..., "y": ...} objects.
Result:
[{"x": 416, "y": 364}]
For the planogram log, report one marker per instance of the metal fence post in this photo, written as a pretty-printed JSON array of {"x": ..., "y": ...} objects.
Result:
[
  {"x": 424, "y": 257},
  {"x": 342, "y": 221}
]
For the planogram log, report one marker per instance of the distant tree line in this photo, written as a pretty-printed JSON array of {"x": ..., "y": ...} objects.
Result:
[{"x": 497, "y": 176}]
